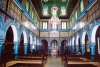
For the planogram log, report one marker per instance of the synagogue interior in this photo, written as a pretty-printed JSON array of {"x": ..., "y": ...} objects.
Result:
[{"x": 49, "y": 33}]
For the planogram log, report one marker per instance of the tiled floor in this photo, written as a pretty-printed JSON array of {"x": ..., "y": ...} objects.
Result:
[{"x": 54, "y": 62}]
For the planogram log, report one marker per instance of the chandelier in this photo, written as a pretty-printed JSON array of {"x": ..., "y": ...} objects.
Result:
[{"x": 54, "y": 20}]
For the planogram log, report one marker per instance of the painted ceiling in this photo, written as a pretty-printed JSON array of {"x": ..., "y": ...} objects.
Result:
[{"x": 65, "y": 8}]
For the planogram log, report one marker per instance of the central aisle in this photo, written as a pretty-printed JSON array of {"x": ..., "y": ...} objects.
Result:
[{"x": 54, "y": 62}]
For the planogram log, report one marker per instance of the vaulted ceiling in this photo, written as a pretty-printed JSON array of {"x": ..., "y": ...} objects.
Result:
[{"x": 43, "y": 8}]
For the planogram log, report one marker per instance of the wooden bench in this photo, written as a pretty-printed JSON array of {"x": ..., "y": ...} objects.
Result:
[{"x": 26, "y": 63}]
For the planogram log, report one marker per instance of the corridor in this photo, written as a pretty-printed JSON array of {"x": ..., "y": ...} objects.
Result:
[{"x": 54, "y": 62}]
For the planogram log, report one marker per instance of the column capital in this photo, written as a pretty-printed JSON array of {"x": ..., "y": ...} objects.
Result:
[
  {"x": 16, "y": 43},
  {"x": 25, "y": 44},
  {"x": 2, "y": 33},
  {"x": 2, "y": 41},
  {"x": 83, "y": 45},
  {"x": 92, "y": 45}
]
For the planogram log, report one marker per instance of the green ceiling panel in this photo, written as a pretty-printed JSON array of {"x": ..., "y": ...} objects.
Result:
[{"x": 40, "y": 5}]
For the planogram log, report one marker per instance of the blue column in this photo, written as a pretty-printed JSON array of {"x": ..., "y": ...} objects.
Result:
[
  {"x": 48, "y": 50},
  {"x": 35, "y": 47},
  {"x": 31, "y": 50},
  {"x": 92, "y": 49},
  {"x": 1, "y": 44},
  {"x": 82, "y": 50},
  {"x": 59, "y": 50},
  {"x": 72, "y": 47},
  {"x": 39, "y": 47},
  {"x": 25, "y": 48},
  {"x": 16, "y": 50},
  {"x": 77, "y": 48},
  {"x": 66, "y": 47},
  {"x": 16, "y": 47}
]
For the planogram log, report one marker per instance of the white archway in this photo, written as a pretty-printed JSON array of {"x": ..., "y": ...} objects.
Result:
[
  {"x": 31, "y": 40},
  {"x": 70, "y": 42},
  {"x": 93, "y": 39},
  {"x": 77, "y": 39},
  {"x": 83, "y": 37},
  {"x": 14, "y": 33},
  {"x": 25, "y": 37},
  {"x": 73, "y": 41},
  {"x": 94, "y": 34}
]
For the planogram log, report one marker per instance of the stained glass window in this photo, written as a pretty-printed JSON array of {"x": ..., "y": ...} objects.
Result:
[
  {"x": 81, "y": 5},
  {"x": 76, "y": 14},
  {"x": 72, "y": 19},
  {"x": 33, "y": 14},
  {"x": 27, "y": 5},
  {"x": 44, "y": 25}
]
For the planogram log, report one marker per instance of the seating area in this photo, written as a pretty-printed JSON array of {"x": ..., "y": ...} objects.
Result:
[
  {"x": 49, "y": 33},
  {"x": 75, "y": 60},
  {"x": 37, "y": 59}
]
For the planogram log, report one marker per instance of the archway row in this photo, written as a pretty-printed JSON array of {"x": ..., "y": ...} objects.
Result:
[{"x": 89, "y": 42}]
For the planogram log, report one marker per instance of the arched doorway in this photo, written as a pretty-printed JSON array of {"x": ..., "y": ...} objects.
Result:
[
  {"x": 29, "y": 45},
  {"x": 97, "y": 41},
  {"x": 8, "y": 46},
  {"x": 21, "y": 45},
  {"x": 97, "y": 45},
  {"x": 44, "y": 45},
  {"x": 79, "y": 45},
  {"x": 54, "y": 44},
  {"x": 87, "y": 47},
  {"x": 54, "y": 48},
  {"x": 63, "y": 45},
  {"x": 73, "y": 44}
]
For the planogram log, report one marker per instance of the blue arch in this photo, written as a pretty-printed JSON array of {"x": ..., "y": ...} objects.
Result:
[
  {"x": 31, "y": 37},
  {"x": 97, "y": 23},
  {"x": 26, "y": 31},
  {"x": 44, "y": 39},
  {"x": 56, "y": 40},
  {"x": 88, "y": 34},
  {"x": 62, "y": 40},
  {"x": 8, "y": 25},
  {"x": 1, "y": 28},
  {"x": 1, "y": 22}
]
